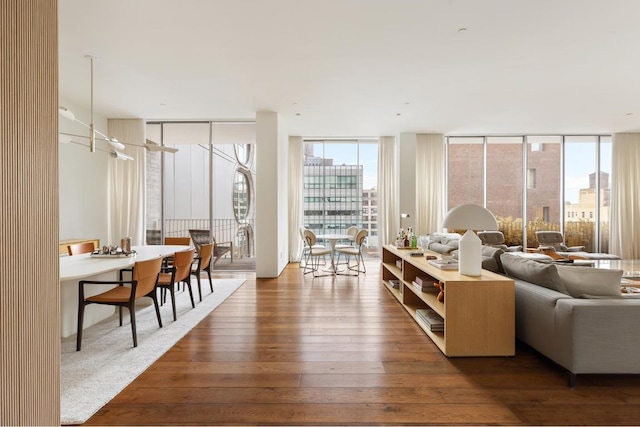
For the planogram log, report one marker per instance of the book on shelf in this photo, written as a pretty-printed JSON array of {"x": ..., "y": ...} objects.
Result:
[
  {"x": 420, "y": 280},
  {"x": 426, "y": 286},
  {"x": 444, "y": 265},
  {"x": 395, "y": 283},
  {"x": 430, "y": 319}
]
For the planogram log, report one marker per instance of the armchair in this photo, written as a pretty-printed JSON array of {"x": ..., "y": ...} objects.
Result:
[
  {"x": 200, "y": 237},
  {"x": 555, "y": 239},
  {"x": 496, "y": 239}
]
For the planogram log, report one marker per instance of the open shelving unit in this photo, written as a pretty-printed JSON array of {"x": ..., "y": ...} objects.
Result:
[{"x": 478, "y": 312}]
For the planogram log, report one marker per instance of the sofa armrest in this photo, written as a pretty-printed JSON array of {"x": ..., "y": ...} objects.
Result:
[{"x": 599, "y": 335}]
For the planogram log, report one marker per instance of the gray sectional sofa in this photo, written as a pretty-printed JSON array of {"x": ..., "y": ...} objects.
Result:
[{"x": 575, "y": 316}]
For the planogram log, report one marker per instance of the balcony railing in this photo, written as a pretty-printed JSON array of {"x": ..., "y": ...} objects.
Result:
[{"x": 223, "y": 230}]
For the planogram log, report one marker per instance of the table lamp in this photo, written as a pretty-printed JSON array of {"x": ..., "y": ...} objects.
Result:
[{"x": 470, "y": 217}]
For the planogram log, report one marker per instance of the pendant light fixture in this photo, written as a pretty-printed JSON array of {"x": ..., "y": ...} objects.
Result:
[{"x": 95, "y": 134}]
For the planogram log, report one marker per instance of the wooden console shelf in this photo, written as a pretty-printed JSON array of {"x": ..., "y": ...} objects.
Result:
[{"x": 478, "y": 312}]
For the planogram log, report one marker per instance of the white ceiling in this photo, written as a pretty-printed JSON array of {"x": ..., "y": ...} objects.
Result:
[{"x": 360, "y": 67}]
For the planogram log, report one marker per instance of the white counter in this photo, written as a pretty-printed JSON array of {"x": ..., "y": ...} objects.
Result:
[{"x": 79, "y": 267}]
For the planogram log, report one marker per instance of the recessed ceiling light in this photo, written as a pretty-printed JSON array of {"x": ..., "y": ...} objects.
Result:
[
  {"x": 462, "y": 30},
  {"x": 629, "y": 114},
  {"x": 298, "y": 114},
  {"x": 163, "y": 104},
  {"x": 398, "y": 114}
]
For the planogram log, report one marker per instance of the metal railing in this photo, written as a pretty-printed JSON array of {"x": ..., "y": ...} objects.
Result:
[{"x": 223, "y": 230}]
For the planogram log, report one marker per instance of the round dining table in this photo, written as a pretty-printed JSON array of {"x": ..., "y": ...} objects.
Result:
[{"x": 333, "y": 240}]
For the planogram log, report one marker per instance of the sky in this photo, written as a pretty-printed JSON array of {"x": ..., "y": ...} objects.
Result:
[{"x": 580, "y": 161}]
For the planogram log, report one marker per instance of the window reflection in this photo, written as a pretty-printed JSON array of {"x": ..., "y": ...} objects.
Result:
[{"x": 241, "y": 195}]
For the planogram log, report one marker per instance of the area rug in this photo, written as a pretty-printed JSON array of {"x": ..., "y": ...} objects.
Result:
[{"x": 108, "y": 361}]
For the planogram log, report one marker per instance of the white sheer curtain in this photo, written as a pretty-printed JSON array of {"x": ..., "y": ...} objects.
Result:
[
  {"x": 127, "y": 183},
  {"x": 388, "y": 211},
  {"x": 296, "y": 183},
  {"x": 625, "y": 195},
  {"x": 430, "y": 183}
]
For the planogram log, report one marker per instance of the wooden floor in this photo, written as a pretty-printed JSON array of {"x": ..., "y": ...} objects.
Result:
[{"x": 341, "y": 351}]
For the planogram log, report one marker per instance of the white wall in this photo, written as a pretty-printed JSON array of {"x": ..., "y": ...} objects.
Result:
[
  {"x": 83, "y": 180},
  {"x": 272, "y": 215},
  {"x": 407, "y": 178}
]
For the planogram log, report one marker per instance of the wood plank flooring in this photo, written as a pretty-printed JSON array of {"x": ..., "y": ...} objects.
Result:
[{"x": 342, "y": 351}]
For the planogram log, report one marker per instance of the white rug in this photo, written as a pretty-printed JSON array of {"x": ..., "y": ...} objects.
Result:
[{"x": 108, "y": 361}]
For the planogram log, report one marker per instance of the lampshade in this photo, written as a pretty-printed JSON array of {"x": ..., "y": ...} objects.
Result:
[{"x": 470, "y": 217}]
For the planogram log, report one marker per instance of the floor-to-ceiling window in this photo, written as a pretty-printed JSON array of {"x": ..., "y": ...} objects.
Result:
[
  {"x": 543, "y": 183},
  {"x": 535, "y": 183},
  {"x": 504, "y": 183},
  {"x": 207, "y": 184},
  {"x": 466, "y": 170},
  {"x": 340, "y": 179},
  {"x": 587, "y": 191}
]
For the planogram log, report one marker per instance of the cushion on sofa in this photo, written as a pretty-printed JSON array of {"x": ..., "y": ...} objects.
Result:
[
  {"x": 587, "y": 282},
  {"x": 440, "y": 248},
  {"x": 532, "y": 271},
  {"x": 453, "y": 242},
  {"x": 491, "y": 259}
]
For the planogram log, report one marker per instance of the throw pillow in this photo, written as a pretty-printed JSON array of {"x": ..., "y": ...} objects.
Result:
[
  {"x": 532, "y": 271},
  {"x": 588, "y": 282}
]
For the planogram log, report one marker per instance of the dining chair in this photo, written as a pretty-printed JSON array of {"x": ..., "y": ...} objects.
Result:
[
  {"x": 355, "y": 251},
  {"x": 182, "y": 241},
  {"x": 179, "y": 272},
  {"x": 143, "y": 284},
  {"x": 203, "y": 264},
  {"x": 305, "y": 249},
  {"x": 200, "y": 237},
  {"x": 351, "y": 231},
  {"x": 314, "y": 252},
  {"x": 81, "y": 248}
]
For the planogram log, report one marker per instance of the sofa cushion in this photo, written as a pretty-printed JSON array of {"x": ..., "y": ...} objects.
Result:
[
  {"x": 491, "y": 259},
  {"x": 587, "y": 282},
  {"x": 441, "y": 248},
  {"x": 532, "y": 271}
]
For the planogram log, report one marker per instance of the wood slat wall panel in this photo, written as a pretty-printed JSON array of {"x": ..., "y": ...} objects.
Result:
[{"x": 29, "y": 285}]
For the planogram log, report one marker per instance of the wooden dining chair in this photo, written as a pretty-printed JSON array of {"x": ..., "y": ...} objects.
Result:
[
  {"x": 81, "y": 248},
  {"x": 143, "y": 284},
  {"x": 179, "y": 272},
  {"x": 203, "y": 263},
  {"x": 184, "y": 241}
]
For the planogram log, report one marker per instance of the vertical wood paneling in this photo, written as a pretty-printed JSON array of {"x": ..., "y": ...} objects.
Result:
[{"x": 29, "y": 285}]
